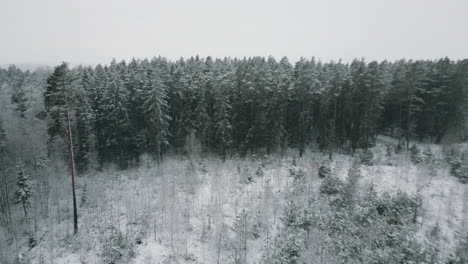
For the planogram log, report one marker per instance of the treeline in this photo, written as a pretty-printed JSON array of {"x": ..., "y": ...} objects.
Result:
[{"x": 250, "y": 105}]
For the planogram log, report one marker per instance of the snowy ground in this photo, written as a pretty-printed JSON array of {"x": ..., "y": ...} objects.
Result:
[{"x": 183, "y": 213}]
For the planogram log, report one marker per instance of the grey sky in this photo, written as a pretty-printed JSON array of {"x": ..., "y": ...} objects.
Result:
[{"x": 95, "y": 31}]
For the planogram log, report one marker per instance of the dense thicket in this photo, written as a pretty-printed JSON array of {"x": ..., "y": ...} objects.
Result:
[{"x": 240, "y": 106}]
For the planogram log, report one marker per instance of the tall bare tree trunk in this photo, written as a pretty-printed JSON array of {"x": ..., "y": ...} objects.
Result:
[
  {"x": 408, "y": 126},
  {"x": 72, "y": 172}
]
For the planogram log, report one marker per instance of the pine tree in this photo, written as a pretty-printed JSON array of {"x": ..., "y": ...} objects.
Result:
[
  {"x": 59, "y": 99},
  {"x": 333, "y": 80},
  {"x": 301, "y": 114},
  {"x": 367, "y": 99},
  {"x": 256, "y": 89},
  {"x": 200, "y": 84},
  {"x": 241, "y": 106},
  {"x": 407, "y": 87},
  {"x": 458, "y": 109},
  {"x": 432, "y": 121},
  {"x": 279, "y": 84}
]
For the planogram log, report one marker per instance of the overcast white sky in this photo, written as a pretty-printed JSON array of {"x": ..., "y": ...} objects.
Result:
[{"x": 95, "y": 31}]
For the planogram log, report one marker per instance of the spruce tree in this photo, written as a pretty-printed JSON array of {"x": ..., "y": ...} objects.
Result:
[
  {"x": 85, "y": 119},
  {"x": 17, "y": 81},
  {"x": 23, "y": 192},
  {"x": 115, "y": 118},
  {"x": 97, "y": 93},
  {"x": 155, "y": 110},
  {"x": 222, "y": 107},
  {"x": 134, "y": 81},
  {"x": 180, "y": 106}
]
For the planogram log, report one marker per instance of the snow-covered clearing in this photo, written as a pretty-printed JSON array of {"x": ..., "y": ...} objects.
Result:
[{"x": 189, "y": 212}]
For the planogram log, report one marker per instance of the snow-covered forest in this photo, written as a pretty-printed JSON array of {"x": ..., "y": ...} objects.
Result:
[{"x": 235, "y": 160}]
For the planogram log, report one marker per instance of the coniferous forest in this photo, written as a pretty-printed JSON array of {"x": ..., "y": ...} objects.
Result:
[
  {"x": 239, "y": 106},
  {"x": 284, "y": 131}
]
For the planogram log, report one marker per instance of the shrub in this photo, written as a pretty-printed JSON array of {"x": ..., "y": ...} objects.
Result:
[
  {"x": 22, "y": 259},
  {"x": 324, "y": 170},
  {"x": 237, "y": 244},
  {"x": 461, "y": 252},
  {"x": 354, "y": 173},
  {"x": 297, "y": 172},
  {"x": 398, "y": 209},
  {"x": 451, "y": 155},
  {"x": 295, "y": 217},
  {"x": 294, "y": 162},
  {"x": 116, "y": 248},
  {"x": 259, "y": 171},
  {"x": 289, "y": 243},
  {"x": 428, "y": 156},
  {"x": 389, "y": 150},
  {"x": 290, "y": 248},
  {"x": 366, "y": 157},
  {"x": 399, "y": 148},
  {"x": 415, "y": 154},
  {"x": 458, "y": 169},
  {"x": 350, "y": 187},
  {"x": 32, "y": 242},
  {"x": 331, "y": 185},
  {"x": 358, "y": 234},
  {"x": 299, "y": 184},
  {"x": 202, "y": 167},
  {"x": 84, "y": 196},
  {"x": 265, "y": 161}
]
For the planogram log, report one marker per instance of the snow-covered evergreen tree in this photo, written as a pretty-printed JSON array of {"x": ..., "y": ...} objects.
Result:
[
  {"x": 23, "y": 192},
  {"x": 304, "y": 98},
  {"x": 222, "y": 107},
  {"x": 2, "y": 135},
  {"x": 60, "y": 99},
  {"x": 86, "y": 119},
  {"x": 155, "y": 109},
  {"x": 115, "y": 117},
  {"x": 17, "y": 81}
]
